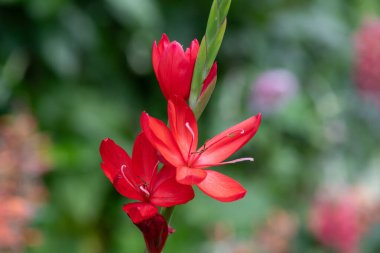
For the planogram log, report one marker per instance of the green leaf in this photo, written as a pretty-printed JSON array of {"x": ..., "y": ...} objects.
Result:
[
  {"x": 203, "y": 99},
  {"x": 196, "y": 84},
  {"x": 210, "y": 45},
  {"x": 214, "y": 47}
]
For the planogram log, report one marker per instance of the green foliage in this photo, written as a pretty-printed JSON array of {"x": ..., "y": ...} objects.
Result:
[
  {"x": 209, "y": 47},
  {"x": 83, "y": 68}
]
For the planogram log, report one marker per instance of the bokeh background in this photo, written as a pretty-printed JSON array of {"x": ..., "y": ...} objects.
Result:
[{"x": 75, "y": 72}]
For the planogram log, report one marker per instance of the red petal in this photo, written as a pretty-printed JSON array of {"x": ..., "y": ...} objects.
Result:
[
  {"x": 192, "y": 53},
  {"x": 139, "y": 212},
  {"x": 173, "y": 72},
  {"x": 113, "y": 158},
  {"x": 227, "y": 142},
  {"x": 163, "y": 44},
  {"x": 221, "y": 187},
  {"x": 155, "y": 231},
  {"x": 167, "y": 191},
  {"x": 125, "y": 184},
  {"x": 144, "y": 159},
  {"x": 183, "y": 126},
  {"x": 210, "y": 78},
  {"x": 161, "y": 138},
  {"x": 157, "y": 51},
  {"x": 189, "y": 176}
]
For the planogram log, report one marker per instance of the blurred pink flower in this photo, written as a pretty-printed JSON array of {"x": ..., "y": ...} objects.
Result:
[
  {"x": 272, "y": 90},
  {"x": 277, "y": 233},
  {"x": 336, "y": 222},
  {"x": 367, "y": 61}
]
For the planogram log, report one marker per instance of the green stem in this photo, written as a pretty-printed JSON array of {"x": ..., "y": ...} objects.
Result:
[
  {"x": 167, "y": 212},
  {"x": 209, "y": 47}
]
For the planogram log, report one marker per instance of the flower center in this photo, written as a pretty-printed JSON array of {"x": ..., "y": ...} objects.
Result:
[{"x": 143, "y": 187}]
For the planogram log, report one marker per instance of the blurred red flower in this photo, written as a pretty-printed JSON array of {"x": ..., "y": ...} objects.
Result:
[
  {"x": 336, "y": 223},
  {"x": 367, "y": 71},
  {"x": 178, "y": 145}
]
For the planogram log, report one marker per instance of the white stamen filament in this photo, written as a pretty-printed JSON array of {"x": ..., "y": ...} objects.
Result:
[
  {"x": 192, "y": 138},
  {"x": 142, "y": 188},
  {"x": 125, "y": 177},
  {"x": 250, "y": 159}
]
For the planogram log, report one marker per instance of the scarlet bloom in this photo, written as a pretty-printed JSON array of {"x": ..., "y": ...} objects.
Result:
[
  {"x": 178, "y": 145},
  {"x": 174, "y": 67},
  {"x": 155, "y": 231},
  {"x": 139, "y": 179}
]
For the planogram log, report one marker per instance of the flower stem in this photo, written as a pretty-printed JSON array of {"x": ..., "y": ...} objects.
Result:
[
  {"x": 209, "y": 47},
  {"x": 167, "y": 212}
]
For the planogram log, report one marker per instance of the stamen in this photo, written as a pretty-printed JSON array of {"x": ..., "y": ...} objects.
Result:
[
  {"x": 144, "y": 190},
  {"x": 125, "y": 177},
  {"x": 250, "y": 159},
  {"x": 192, "y": 138},
  {"x": 200, "y": 151},
  {"x": 229, "y": 135}
]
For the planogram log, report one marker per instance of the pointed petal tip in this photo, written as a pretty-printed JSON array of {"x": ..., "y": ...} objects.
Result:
[
  {"x": 258, "y": 120},
  {"x": 175, "y": 45},
  {"x": 106, "y": 140},
  {"x": 144, "y": 115},
  {"x": 164, "y": 36},
  {"x": 164, "y": 40},
  {"x": 193, "y": 43}
]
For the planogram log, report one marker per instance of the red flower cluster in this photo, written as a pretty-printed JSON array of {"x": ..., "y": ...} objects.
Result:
[{"x": 142, "y": 178}]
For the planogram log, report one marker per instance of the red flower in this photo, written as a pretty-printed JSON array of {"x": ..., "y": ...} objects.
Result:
[
  {"x": 139, "y": 179},
  {"x": 155, "y": 231},
  {"x": 178, "y": 146},
  {"x": 174, "y": 67}
]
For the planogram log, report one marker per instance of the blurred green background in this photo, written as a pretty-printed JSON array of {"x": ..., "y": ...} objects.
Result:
[{"x": 83, "y": 70}]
